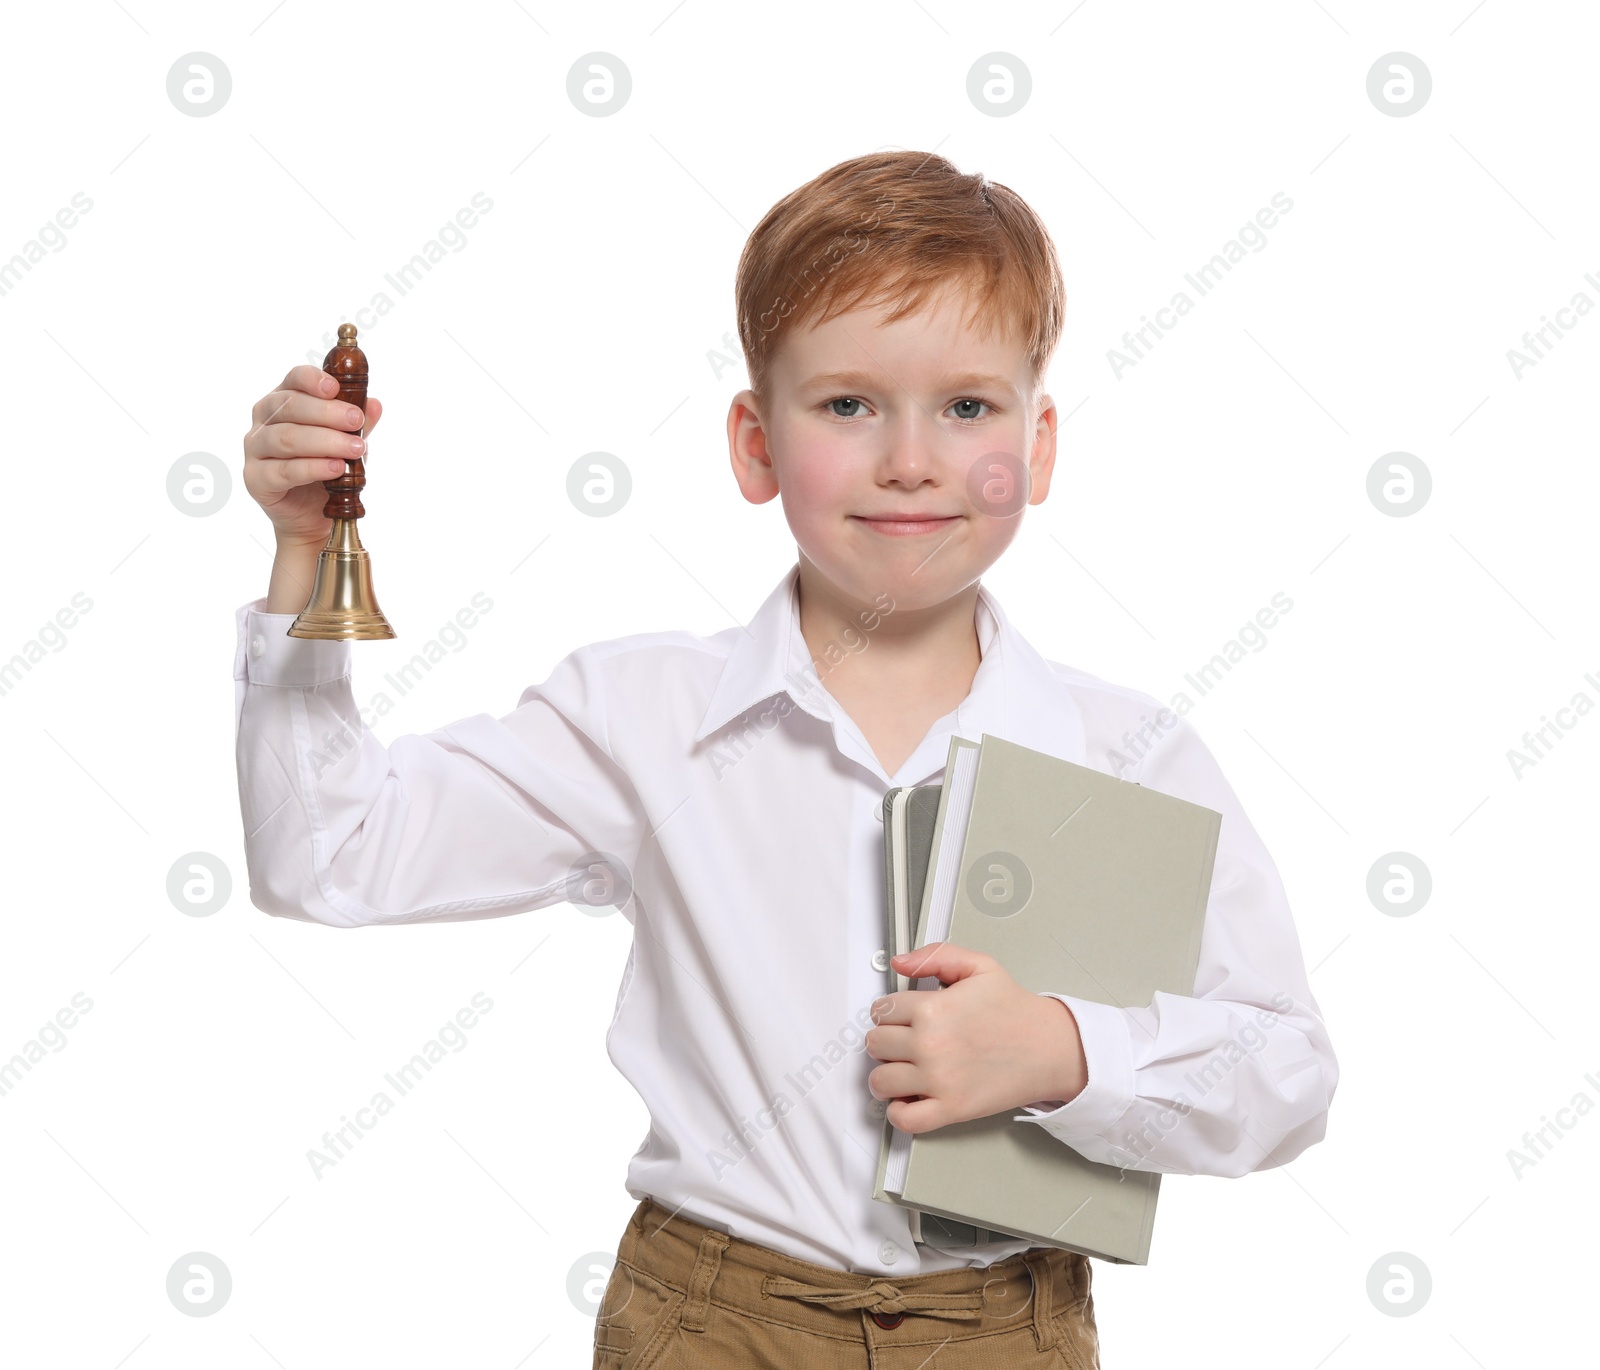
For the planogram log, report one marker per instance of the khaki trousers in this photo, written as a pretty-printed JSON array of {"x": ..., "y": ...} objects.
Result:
[{"x": 683, "y": 1295}]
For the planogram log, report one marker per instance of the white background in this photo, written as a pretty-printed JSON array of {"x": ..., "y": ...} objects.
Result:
[{"x": 582, "y": 314}]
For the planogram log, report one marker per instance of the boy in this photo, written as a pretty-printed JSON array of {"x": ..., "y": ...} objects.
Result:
[{"x": 897, "y": 318}]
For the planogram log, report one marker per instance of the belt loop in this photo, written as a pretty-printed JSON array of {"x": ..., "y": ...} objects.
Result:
[
  {"x": 705, "y": 1271},
  {"x": 1038, "y": 1263}
]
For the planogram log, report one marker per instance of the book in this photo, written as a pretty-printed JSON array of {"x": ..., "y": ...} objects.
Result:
[
  {"x": 909, "y": 813},
  {"x": 1078, "y": 883}
]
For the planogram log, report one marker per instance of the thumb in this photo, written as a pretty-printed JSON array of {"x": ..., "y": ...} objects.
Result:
[
  {"x": 943, "y": 959},
  {"x": 374, "y": 413}
]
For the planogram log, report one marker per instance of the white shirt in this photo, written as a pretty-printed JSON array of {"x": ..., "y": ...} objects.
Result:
[{"x": 742, "y": 804}]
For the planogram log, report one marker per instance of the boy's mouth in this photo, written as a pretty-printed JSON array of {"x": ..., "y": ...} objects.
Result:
[{"x": 897, "y": 525}]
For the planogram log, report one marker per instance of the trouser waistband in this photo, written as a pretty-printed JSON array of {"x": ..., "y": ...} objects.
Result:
[{"x": 708, "y": 1265}]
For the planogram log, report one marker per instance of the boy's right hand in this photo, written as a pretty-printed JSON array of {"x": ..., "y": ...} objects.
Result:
[{"x": 299, "y": 437}]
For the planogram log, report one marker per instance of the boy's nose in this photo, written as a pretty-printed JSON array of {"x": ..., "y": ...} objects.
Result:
[{"x": 909, "y": 448}]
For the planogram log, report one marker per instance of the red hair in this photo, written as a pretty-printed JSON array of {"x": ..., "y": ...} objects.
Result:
[{"x": 898, "y": 226}]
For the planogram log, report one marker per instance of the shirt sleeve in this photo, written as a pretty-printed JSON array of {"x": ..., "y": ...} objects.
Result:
[
  {"x": 1235, "y": 1078},
  {"x": 481, "y": 818}
]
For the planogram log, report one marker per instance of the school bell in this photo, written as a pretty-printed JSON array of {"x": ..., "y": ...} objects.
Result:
[{"x": 342, "y": 604}]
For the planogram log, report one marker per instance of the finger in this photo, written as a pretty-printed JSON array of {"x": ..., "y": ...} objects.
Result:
[
  {"x": 310, "y": 380},
  {"x": 892, "y": 1043},
  {"x": 894, "y": 1081},
  {"x": 293, "y": 407},
  {"x": 279, "y": 440},
  {"x": 917, "y": 959},
  {"x": 918, "y": 1115},
  {"x": 276, "y": 476}
]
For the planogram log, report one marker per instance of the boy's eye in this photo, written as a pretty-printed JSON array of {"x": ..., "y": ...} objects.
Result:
[{"x": 965, "y": 409}]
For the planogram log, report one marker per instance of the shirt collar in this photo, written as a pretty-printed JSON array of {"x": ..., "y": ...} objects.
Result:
[{"x": 1015, "y": 692}]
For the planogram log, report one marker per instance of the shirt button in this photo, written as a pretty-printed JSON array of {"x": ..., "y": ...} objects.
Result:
[
  {"x": 258, "y": 645},
  {"x": 880, "y": 1106},
  {"x": 880, "y": 959},
  {"x": 888, "y": 1253}
]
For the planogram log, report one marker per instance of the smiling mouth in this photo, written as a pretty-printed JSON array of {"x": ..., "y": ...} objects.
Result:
[{"x": 906, "y": 523}]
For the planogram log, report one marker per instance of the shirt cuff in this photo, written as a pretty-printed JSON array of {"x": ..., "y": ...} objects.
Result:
[
  {"x": 1108, "y": 1052},
  {"x": 267, "y": 655}
]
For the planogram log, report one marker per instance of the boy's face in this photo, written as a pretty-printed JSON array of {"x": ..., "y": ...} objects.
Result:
[{"x": 922, "y": 418}]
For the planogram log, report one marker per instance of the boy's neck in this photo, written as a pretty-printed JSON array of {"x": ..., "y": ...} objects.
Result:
[{"x": 879, "y": 644}]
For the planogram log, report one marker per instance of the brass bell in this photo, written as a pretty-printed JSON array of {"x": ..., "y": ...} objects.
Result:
[{"x": 342, "y": 604}]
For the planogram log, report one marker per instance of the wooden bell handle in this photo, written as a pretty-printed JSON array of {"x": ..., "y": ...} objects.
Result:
[{"x": 347, "y": 364}]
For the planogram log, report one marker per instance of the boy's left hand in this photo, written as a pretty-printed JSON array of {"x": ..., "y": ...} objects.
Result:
[{"x": 982, "y": 1044}]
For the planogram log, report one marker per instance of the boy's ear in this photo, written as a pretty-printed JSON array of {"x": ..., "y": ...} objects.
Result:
[
  {"x": 1042, "y": 458},
  {"x": 748, "y": 452}
]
